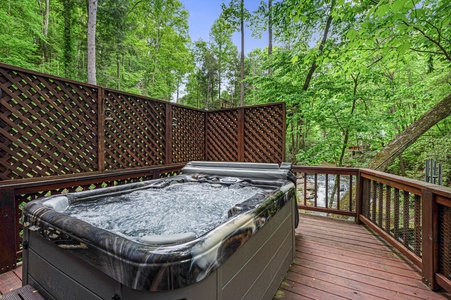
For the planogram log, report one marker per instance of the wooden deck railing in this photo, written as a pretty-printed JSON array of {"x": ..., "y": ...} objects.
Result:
[
  {"x": 338, "y": 185},
  {"x": 411, "y": 215}
]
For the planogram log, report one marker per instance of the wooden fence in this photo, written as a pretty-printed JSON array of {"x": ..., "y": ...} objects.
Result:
[
  {"x": 413, "y": 216},
  {"x": 59, "y": 135}
]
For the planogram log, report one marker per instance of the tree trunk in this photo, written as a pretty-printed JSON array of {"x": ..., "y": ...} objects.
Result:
[
  {"x": 92, "y": 24},
  {"x": 155, "y": 59},
  {"x": 67, "y": 44},
  {"x": 396, "y": 147},
  {"x": 242, "y": 55},
  {"x": 321, "y": 47},
  {"x": 46, "y": 18},
  {"x": 269, "y": 28},
  {"x": 219, "y": 72},
  {"x": 118, "y": 72},
  {"x": 346, "y": 133},
  {"x": 293, "y": 148},
  {"x": 45, "y": 12},
  {"x": 269, "y": 32},
  {"x": 401, "y": 166}
]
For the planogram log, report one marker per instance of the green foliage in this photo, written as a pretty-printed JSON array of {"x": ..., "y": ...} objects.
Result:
[
  {"x": 382, "y": 67},
  {"x": 19, "y": 30},
  {"x": 378, "y": 67},
  {"x": 142, "y": 46}
]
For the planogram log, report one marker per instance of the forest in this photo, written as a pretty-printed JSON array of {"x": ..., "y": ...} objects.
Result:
[{"x": 359, "y": 77}]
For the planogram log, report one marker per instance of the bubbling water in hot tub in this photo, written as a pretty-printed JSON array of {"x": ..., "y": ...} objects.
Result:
[{"x": 179, "y": 208}]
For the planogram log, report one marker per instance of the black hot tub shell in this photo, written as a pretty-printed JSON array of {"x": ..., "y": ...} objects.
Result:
[{"x": 245, "y": 257}]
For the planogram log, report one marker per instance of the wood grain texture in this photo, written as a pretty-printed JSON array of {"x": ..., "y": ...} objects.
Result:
[
  {"x": 10, "y": 281},
  {"x": 337, "y": 259}
]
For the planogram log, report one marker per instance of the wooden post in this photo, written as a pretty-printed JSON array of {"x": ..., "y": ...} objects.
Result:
[
  {"x": 430, "y": 239},
  {"x": 206, "y": 114},
  {"x": 168, "y": 137},
  {"x": 359, "y": 198},
  {"x": 241, "y": 134},
  {"x": 284, "y": 133},
  {"x": 101, "y": 129},
  {"x": 8, "y": 230}
]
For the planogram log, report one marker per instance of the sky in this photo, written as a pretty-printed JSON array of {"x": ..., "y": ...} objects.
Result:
[{"x": 203, "y": 13}]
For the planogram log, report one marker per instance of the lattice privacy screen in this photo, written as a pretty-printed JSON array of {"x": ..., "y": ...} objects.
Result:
[
  {"x": 48, "y": 125},
  {"x": 135, "y": 131},
  {"x": 222, "y": 136},
  {"x": 264, "y": 133},
  {"x": 51, "y": 126},
  {"x": 188, "y": 134}
]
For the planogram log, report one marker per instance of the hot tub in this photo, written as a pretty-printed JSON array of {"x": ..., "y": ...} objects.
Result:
[{"x": 217, "y": 231}]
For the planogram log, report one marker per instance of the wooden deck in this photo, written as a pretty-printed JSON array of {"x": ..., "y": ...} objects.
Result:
[
  {"x": 334, "y": 260},
  {"x": 10, "y": 281},
  {"x": 338, "y": 259}
]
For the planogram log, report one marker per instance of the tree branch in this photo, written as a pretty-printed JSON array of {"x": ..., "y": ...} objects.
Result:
[
  {"x": 426, "y": 51},
  {"x": 321, "y": 47},
  {"x": 436, "y": 29},
  {"x": 430, "y": 39}
]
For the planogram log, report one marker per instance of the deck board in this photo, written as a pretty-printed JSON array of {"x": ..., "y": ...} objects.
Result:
[
  {"x": 10, "y": 281},
  {"x": 338, "y": 259},
  {"x": 335, "y": 259}
]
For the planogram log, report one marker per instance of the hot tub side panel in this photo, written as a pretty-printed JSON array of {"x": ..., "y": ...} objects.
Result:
[{"x": 254, "y": 271}]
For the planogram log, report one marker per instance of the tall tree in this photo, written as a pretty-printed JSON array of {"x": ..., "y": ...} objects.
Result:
[
  {"x": 314, "y": 65},
  {"x": 91, "y": 34},
  {"x": 164, "y": 26},
  {"x": 111, "y": 42},
  {"x": 236, "y": 14},
  {"x": 242, "y": 53},
  {"x": 269, "y": 27},
  {"x": 44, "y": 6},
  {"x": 221, "y": 43},
  {"x": 67, "y": 38}
]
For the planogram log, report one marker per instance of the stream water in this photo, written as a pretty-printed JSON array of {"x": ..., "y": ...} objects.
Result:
[{"x": 321, "y": 190}]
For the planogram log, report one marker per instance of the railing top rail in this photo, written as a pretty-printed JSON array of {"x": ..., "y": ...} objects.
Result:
[
  {"x": 247, "y": 107},
  {"x": 36, "y": 182},
  {"x": 37, "y": 73},
  {"x": 325, "y": 170},
  {"x": 400, "y": 182},
  {"x": 146, "y": 98}
]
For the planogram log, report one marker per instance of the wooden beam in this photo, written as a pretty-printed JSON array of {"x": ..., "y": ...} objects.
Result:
[
  {"x": 8, "y": 230},
  {"x": 101, "y": 129},
  {"x": 430, "y": 239},
  {"x": 241, "y": 134},
  {"x": 328, "y": 210},
  {"x": 444, "y": 282},
  {"x": 168, "y": 136}
]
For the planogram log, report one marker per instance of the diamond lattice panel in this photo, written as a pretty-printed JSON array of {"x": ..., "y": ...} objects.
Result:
[
  {"x": 48, "y": 126},
  {"x": 445, "y": 241},
  {"x": 264, "y": 134},
  {"x": 222, "y": 135},
  {"x": 135, "y": 134},
  {"x": 188, "y": 134}
]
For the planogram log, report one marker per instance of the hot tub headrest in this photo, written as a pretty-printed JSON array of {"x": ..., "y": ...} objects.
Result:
[{"x": 241, "y": 169}]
